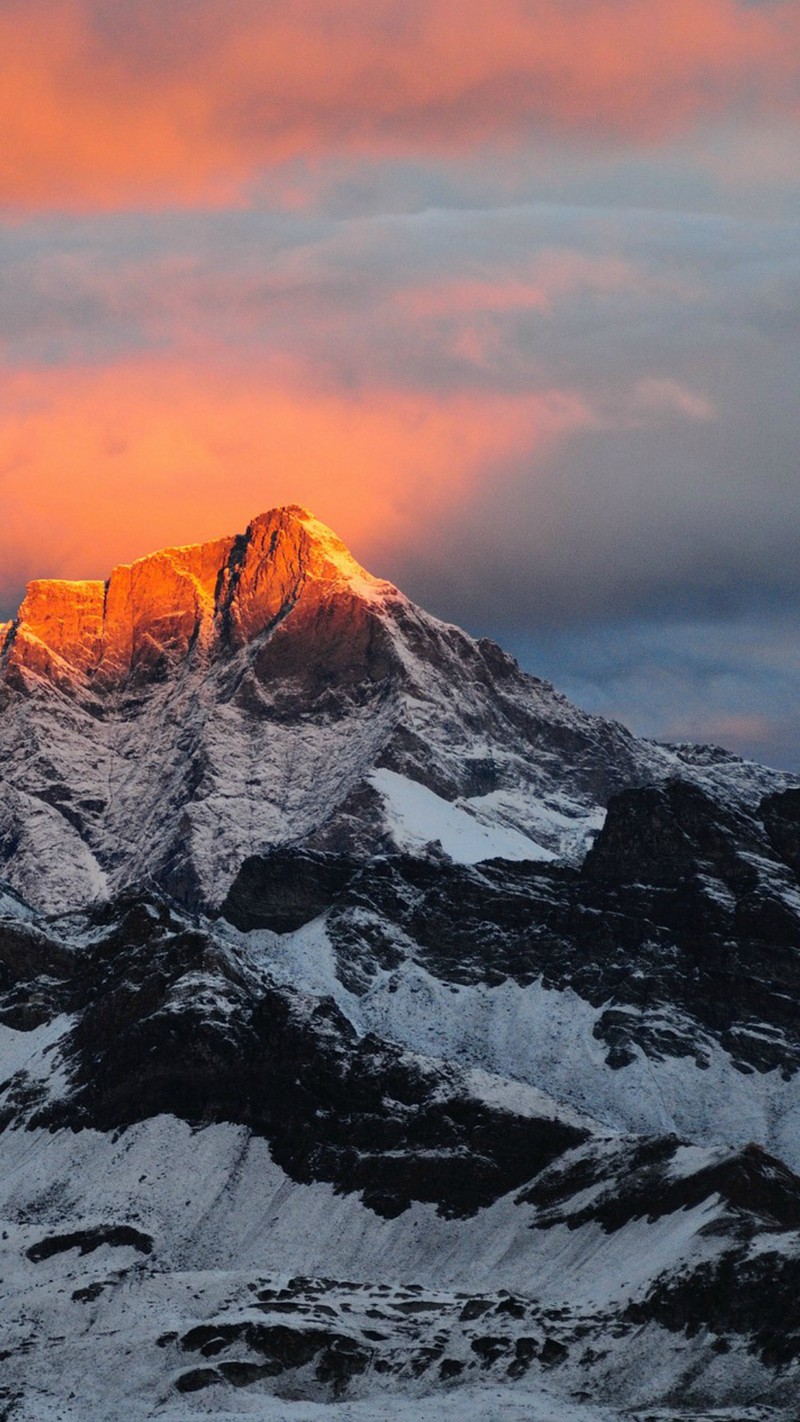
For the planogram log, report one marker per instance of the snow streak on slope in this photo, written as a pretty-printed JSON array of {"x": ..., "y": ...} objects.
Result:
[
  {"x": 546, "y": 1038},
  {"x": 420, "y": 820}
]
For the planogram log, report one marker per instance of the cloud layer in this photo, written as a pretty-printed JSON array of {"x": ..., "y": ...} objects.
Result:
[
  {"x": 107, "y": 105},
  {"x": 514, "y": 305}
]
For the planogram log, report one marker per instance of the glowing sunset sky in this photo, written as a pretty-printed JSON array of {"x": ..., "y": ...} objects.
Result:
[{"x": 508, "y": 293}]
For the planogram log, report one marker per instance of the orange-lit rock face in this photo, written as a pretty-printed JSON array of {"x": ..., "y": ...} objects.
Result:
[
  {"x": 279, "y": 554},
  {"x": 156, "y": 608},
  {"x": 329, "y": 642},
  {"x": 67, "y": 617},
  {"x": 151, "y": 613},
  {"x": 60, "y": 620}
]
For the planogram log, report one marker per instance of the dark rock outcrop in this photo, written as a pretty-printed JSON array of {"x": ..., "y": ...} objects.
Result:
[
  {"x": 168, "y": 1020},
  {"x": 286, "y": 888}
]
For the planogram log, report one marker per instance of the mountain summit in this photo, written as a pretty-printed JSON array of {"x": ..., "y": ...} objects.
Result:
[
  {"x": 209, "y": 702},
  {"x": 153, "y": 612}
]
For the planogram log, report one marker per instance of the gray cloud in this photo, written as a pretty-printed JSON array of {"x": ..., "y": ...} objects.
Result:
[{"x": 728, "y": 681}]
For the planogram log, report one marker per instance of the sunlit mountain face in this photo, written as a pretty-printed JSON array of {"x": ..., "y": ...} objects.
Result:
[{"x": 511, "y": 304}]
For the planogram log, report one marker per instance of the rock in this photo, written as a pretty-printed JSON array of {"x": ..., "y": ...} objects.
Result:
[
  {"x": 285, "y": 889},
  {"x": 781, "y": 815},
  {"x": 668, "y": 832},
  {"x": 87, "y": 1240}
]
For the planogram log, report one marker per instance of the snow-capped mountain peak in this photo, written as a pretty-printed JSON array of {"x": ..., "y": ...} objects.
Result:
[
  {"x": 410, "y": 1104},
  {"x": 208, "y": 702}
]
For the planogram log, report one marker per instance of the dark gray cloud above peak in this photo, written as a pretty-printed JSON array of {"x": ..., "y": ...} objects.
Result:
[{"x": 667, "y": 517}]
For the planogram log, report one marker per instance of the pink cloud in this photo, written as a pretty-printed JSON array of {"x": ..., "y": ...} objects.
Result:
[
  {"x": 104, "y": 106},
  {"x": 551, "y": 276}
]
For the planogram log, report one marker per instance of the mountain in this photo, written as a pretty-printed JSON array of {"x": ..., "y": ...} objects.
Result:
[
  {"x": 377, "y": 1029},
  {"x": 209, "y": 701}
]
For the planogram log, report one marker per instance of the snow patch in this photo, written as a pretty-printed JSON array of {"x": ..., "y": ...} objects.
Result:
[{"x": 417, "y": 818}]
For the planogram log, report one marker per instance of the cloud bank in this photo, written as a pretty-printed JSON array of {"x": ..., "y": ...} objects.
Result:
[{"x": 105, "y": 106}]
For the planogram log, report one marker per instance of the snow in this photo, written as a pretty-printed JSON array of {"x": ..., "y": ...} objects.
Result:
[
  {"x": 35, "y": 1053},
  {"x": 418, "y": 818},
  {"x": 222, "y": 1214},
  {"x": 546, "y": 1037},
  {"x": 688, "y": 1159},
  {"x": 330, "y": 546},
  {"x": 521, "y": 1099},
  {"x": 12, "y": 906},
  {"x": 561, "y": 823},
  {"x": 543, "y": 1037},
  {"x": 469, "y": 1404},
  {"x": 305, "y": 958}
]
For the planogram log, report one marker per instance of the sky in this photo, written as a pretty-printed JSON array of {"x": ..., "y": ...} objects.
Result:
[{"x": 508, "y": 294}]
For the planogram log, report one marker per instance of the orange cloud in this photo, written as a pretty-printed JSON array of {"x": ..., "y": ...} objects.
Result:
[
  {"x": 101, "y": 466},
  {"x": 106, "y": 106}
]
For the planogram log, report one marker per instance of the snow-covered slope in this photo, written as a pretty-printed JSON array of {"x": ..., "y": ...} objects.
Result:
[
  {"x": 210, "y": 701},
  {"x": 228, "y": 1290},
  {"x": 656, "y": 987},
  {"x": 211, "y": 1182}
]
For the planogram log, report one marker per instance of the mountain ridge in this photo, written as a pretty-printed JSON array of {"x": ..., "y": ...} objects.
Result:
[
  {"x": 263, "y": 690},
  {"x": 109, "y": 630}
]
